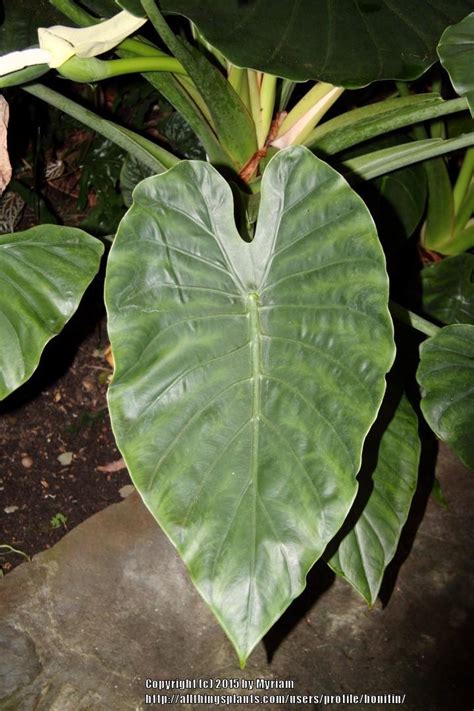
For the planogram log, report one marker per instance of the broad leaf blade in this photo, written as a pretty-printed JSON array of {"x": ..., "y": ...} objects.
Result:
[
  {"x": 247, "y": 374},
  {"x": 44, "y": 272},
  {"x": 446, "y": 376},
  {"x": 456, "y": 52},
  {"x": 345, "y": 43},
  {"x": 364, "y": 553},
  {"x": 448, "y": 289}
]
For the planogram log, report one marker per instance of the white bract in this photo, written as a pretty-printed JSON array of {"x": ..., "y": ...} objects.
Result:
[{"x": 57, "y": 44}]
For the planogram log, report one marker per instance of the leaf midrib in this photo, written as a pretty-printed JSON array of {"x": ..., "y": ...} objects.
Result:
[{"x": 256, "y": 365}]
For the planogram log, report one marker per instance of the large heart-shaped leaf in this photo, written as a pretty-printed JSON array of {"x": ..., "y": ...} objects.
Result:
[
  {"x": 247, "y": 374},
  {"x": 365, "y": 551},
  {"x": 448, "y": 289},
  {"x": 456, "y": 51},
  {"x": 345, "y": 43},
  {"x": 446, "y": 376},
  {"x": 44, "y": 272}
]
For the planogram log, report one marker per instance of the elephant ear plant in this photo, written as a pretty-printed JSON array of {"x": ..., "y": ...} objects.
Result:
[{"x": 248, "y": 296}]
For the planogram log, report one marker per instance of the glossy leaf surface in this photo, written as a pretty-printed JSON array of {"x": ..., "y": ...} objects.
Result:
[
  {"x": 247, "y": 374},
  {"x": 44, "y": 272},
  {"x": 446, "y": 376},
  {"x": 366, "y": 550},
  {"x": 456, "y": 51},
  {"x": 345, "y": 43},
  {"x": 448, "y": 289}
]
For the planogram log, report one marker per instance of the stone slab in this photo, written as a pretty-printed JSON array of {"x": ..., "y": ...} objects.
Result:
[{"x": 86, "y": 623}]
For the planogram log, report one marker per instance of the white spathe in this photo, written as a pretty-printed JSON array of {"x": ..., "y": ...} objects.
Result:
[
  {"x": 60, "y": 43},
  {"x": 14, "y": 61}
]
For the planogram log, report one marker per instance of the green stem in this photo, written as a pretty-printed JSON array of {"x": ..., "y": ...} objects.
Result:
[
  {"x": 303, "y": 117},
  {"x": 76, "y": 14},
  {"x": 93, "y": 69},
  {"x": 267, "y": 101},
  {"x": 287, "y": 87},
  {"x": 380, "y": 162},
  {"x": 463, "y": 181},
  {"x": 465, "y": 211},
  {"x": 150, "y": 154},
  {"x": 409, "y": 318},
  {"x": 255, "y": 106},
  {"x": 236, "y": 77}
]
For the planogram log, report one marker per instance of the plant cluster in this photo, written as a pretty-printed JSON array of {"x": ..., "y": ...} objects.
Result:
[{"x": 248, "y": 295}]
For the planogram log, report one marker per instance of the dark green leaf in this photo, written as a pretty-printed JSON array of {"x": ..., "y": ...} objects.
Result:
[
  {"x": 345, "y": 43},
  {"x": 456, "y": 51},
  {"x": 133, "y": 6},
  {"x": 20, "y": 20},
  {"x": 448, "y": 289},
  {"x": 402, "y": 198},
  {"x": 247, "y": 374},
  {"x": 132, "y": 173},
  {"x": 446, "y": 376},
  {"x": 366, "y": 550},
  {"x": 43, "y": 273}
]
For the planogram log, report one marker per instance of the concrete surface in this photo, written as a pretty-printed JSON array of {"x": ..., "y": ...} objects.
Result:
[{"x": 85, "y": 624}]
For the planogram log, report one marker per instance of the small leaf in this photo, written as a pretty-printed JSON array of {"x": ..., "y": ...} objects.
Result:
[
  {"x": 448, "y": 289},
  {"x": 247, "y": 374},
  {"x": 456, "y": 52},
  {"x": 365, "y": 551},
  {"x": 446, "y": 377},
  {"x": 44, "y": 272}
]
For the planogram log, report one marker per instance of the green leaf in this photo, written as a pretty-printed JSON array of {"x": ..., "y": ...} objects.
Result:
[
  {"x": 345, "y": 43},
  {"x": 456, "y": 52},
  {"x": 446, "y": 377},
  {"x": 247, "y": 374},
  {"x": 20, "y": 21},
  {"x": 133, "y": 6},
  {"x": 44, "y": 272},
  {"x": 448, "y": 289},
  {"x": 401, "y": 203},
  {"x": 367, "y": 122},
  {"x": 132, "y": 173},
  {"x": 382, "y": 506}
]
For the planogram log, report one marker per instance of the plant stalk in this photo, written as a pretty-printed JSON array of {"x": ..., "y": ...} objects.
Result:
[
  {"x": 409, "y": 318},
  {"x": 464, "y": 178},
  {"x": 303, "y": 117},
  {"x": 93, "y": 69}
]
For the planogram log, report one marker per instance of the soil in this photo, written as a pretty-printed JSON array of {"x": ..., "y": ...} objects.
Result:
[{"x": 55, "y": 435}]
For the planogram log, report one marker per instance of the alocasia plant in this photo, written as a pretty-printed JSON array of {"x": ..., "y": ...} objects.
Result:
[{"x": 250, "y": 363}]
